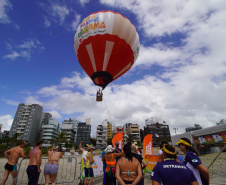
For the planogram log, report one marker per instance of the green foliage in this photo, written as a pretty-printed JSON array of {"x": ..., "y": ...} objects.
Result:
[
  {"x": 45, "y": 150},
  {"x": 130, "y": 138},
  {"x": 58, "y": 140},
  {"x": 27, "y": 150},
  {"x": 93, "y": 141},
  {"x": 3, "y": 146}
]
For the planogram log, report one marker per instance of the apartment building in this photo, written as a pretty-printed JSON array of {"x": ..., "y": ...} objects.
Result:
[
  {"x": 101, "y": 136},
  {"x": 157, "y": 128},
  {"x": 132, "y": 129},
  {"x": 70, "y": 133},
  {"x": 28, "y": 122},
  {"x": 50, "y": 130},
  {"x": 83, "y": 133},
  {"x": 117, "y": 130},
  {"x": 74, "y": 122}
]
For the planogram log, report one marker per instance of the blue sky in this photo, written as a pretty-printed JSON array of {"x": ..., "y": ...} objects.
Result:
[{"x": 178, "y": 77}]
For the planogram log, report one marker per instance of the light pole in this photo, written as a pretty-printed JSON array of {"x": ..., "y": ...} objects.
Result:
[{"x": 175, "y": 130}]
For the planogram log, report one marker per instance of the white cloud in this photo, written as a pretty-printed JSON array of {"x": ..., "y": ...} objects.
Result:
[
  {"x": 10, "y": 102},
  {"x": 14, "y": 55},
  {"x": 83, "y": 2},
  {"x": 6, "y": 121},
  {"x": 60, "y": 11},
  {"x": 47, "y": 22},
  {"x": 55, "y": 114},
  {"x": 4, "y": 7},
  {"x": 23, "y": 50},
  {"x": 76, "y": 22}
]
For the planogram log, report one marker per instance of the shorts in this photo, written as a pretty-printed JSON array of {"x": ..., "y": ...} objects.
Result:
[
  {"x": 10, "y": 167},
  {"x": 89, "y": 171},
  {"x": 33, "y": 174},
  {"x": 51, "y": 169}
]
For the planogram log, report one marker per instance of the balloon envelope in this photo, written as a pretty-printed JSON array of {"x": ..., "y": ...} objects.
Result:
[{"x": 107, "y": 45}]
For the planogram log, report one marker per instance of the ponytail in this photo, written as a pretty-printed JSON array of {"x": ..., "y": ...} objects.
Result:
[{"x": 128, "y": 153}]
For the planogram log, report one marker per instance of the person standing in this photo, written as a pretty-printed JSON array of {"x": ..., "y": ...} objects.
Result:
[
  {"x": 88, "y": 166},
  {"x": 117, "y": 150},
  {"x": 160, "y": 151},
  {"x": 110, "y": 158},
  {"x": 171, "y": 172},
  {"x": 84, "y": 152},
  {"x": 13, "y": 155},
  {"x": 142, "y": 162},
  {"x": 33, "y": 169},
  {"x": 51, "y": 168},
  {"x": 128, "y": 168},
  {"x": 193, "y": 162}
]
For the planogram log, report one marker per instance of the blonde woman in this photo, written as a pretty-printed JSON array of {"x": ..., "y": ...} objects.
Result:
[{"x": 51, "y": 168}]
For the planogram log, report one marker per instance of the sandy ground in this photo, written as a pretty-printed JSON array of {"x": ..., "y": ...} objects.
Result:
[{"x": 67, "y": 174}]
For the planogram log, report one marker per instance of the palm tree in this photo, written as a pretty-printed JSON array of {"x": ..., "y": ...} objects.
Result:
[
  {"x": 14, "y": 139},
  {"x": 130, "y": 138},
  {"x": 61, "y": 138}
]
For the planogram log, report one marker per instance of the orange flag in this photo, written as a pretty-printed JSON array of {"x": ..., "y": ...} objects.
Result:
[
  {"x": 118, "y": 137},
  {"x": 147, "y": 145}
]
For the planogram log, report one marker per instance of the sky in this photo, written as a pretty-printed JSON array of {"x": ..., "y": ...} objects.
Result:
[{"x": 179, "y": 75}]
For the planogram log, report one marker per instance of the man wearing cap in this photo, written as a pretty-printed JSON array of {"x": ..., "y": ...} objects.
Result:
[
  {"x": 84, "y": 152},
  {"x": 88, "y": 165},
  {"x": 193, "y": 162},
  {"x": 171, "y": 172}
]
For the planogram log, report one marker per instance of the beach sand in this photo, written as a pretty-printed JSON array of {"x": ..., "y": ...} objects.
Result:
[{"x": 67, "y": 170}]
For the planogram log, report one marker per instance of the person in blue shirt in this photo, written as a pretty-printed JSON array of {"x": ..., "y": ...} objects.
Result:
[
  {"x": 171, "y": 172},
  {"x": 193, "y": 162}
]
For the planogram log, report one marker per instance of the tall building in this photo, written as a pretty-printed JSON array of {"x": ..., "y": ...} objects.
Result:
[
  {"x": 70, "y": 133},
  {"x": 51, "y": 130},
  {"x": 221, "y": 122},
  {"x": 28, "y": 122},
  {"x": 101, "y": 136},
  {"x": 109, "y": 130},
  {"x": 83, "y": 133},
  {"x": 158, "y": 130},
  {"x": 196, "y": 127},
  {"x": 74, "y": 122},
  {"x": 117, "y": 130},
  {"x": 132, "y": 129}
]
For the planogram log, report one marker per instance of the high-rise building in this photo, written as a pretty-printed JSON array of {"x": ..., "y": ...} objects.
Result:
[
  {"x": 69, "y": 131},
  {"x": 50, "y": 131},
  {"x": 28, "y": 122},
  {"x": 158, "y": 130},
  {"x": 196, "y": 127},
  {"x": 221, "y": 122},
  {"x": 132, "y": 129},
  {"x": 73, "y": 122},
  {"x": 83, "y": 133},
  {"x": 101, "y": 136}
]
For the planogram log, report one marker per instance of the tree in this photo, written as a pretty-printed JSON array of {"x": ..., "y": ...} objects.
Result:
[
  {"x": 13, "y": 139},
  {"x": 61, "y": 138},
  {"x": 93, "y": 141},
  {"x": 130, "y": 138}
]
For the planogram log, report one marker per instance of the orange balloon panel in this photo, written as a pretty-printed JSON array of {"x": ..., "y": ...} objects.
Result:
[{"x": 107, "y": 45}]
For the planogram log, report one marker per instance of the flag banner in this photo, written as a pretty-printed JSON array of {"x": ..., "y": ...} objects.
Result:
[
  {"x": 209, "y": 139},
  {"x": 197, "y": 141},
  {"x": 223, "y": 135},
  {"x": 152, "y": 160},
  {"x": 118, "y": 137},
  {"x": 97, "y": 166},
  {"x": 147, "y": 145},
  {"x": 218, "y": 138},
  {"x": 202, "y": 140}
]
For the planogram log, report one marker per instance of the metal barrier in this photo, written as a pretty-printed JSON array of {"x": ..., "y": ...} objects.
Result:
[{"x": 66, "y": 171}]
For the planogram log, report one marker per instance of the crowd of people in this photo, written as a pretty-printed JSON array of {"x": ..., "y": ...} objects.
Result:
[{"x": 124, "y": 166}]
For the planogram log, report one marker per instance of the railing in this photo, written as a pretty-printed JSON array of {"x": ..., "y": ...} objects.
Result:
[{"x": 66, "y": 171}]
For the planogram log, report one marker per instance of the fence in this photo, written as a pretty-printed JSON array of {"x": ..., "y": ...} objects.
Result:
[{"x": 66, "y": 171}]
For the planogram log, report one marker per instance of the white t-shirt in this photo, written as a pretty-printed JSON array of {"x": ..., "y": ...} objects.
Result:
[
  {"x": 160, "y": 152},
  {"x": 84, "y": 154}
]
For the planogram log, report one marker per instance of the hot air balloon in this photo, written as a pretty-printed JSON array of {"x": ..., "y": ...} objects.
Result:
[{"x": 107, "y": 45}]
